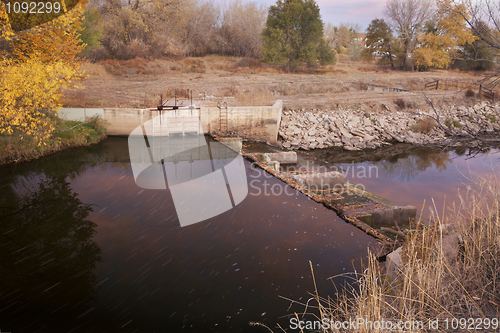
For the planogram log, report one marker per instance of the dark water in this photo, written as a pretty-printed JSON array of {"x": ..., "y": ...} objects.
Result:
[
  {"x": 407, "y": 175},
  {"x": 84, "y": 249}
]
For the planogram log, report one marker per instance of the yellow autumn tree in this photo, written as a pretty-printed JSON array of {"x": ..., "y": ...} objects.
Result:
[
  {"x": 440, "y": 42},
  {"x": 38, "y": 64}
]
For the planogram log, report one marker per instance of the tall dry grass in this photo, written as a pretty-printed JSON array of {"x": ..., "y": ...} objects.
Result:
[
  {"x": 450, "y": 269},
  {"x": 254, "y": 97}
]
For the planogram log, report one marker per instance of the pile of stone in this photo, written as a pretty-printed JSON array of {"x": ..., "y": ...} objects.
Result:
[{"x": 357, "y": 130}]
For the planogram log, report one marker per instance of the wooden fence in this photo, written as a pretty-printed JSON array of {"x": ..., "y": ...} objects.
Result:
[{"x": 459, "y": 85}]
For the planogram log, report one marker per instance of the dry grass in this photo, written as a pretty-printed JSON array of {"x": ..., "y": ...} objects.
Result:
[
  {"x": 139, "y": 82},
  {"x": 436, "y": 280},
  {"x": 424, "y": 126},
  {"x": 250, "y": 97}
]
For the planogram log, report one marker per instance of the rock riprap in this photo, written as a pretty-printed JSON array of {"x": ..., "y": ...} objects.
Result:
[{"x": 357, "y": 130}]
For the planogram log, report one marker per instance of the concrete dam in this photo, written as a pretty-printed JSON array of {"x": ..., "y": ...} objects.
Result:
[{"x": 259, "y": 123}]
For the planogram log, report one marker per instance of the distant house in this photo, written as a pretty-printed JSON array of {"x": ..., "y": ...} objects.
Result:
[{"x": 361, "y": 39}]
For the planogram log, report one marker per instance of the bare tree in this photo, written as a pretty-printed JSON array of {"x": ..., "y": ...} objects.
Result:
[
  {"x": 242, "y": 28},
  {"x": 483, "y": 18},
  {"x": 203, "y": 20},
  {"x": 343, "y": 39},
  {"x": 408, "y": 18},
  {"x": 155, "y": 28}
]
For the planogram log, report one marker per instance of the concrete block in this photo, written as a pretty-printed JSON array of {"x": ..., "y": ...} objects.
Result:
[
  {"x": 393, "y": 264},
  {"x": 326, "y": 180},
  {"x": 367, "y": 218},
  {"x": 289, "y": 157},
  {"x": 273, "y": 165},
  {"x": 387, "y": 216}
]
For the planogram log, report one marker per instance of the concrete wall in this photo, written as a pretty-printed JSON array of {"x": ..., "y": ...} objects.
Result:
[
  {"x": 249, "y": 122},
  {"x": 80, "y": 114}
]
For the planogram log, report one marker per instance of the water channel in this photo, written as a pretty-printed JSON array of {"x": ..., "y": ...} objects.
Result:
[
  {"x": 407, "y": 175},
  {"x": 84, "y": 249}
]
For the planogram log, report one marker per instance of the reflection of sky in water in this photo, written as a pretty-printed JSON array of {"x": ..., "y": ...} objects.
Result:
[
  {"x": 218, "y": 274},
  {"x": 433, "y": 176}
]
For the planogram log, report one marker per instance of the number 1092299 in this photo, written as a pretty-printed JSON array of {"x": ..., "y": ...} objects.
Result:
[{"x": 33, "y": 7}]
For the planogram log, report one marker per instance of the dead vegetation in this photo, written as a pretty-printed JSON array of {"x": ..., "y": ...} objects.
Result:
[
  {"x": 449, "y": 270},
  {"x": 424, "y": 126},
  {"x": 139, "y": 82},
  {"x": 405, "y": 104}
]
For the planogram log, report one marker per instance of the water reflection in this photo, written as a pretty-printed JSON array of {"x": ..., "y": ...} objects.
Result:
[
  {"x": 406, "y": 168},
  {"x": 48, "y": 254},
  {"x": 408, "y": 175},
  {"x": 216, "y": 275},
  {"x": 205, "y": 177}
]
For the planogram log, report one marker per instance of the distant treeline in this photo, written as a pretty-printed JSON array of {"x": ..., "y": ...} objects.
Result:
[
  {"x": 418, "y": 34},
  {"x": 144, "y": 28}
]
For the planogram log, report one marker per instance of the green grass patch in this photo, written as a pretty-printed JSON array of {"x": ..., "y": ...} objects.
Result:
[
  {"x": 454, "y": 123},
  {"x": 492, "y": 118},
  {"x": 67, "y": 133}
]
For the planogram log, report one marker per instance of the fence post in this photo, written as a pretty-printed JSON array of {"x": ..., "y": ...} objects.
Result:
[{"x": 437, "y": 84}]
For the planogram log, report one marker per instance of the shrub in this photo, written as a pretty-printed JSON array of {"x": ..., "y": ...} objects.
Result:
[
  {"x": 424, "y": 126},
  {"x": 402, "y": 104},
  {"x": 469, "y": 93}
]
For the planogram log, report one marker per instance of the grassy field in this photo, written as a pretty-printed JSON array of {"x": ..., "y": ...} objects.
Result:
[
  {"x": 240, "y": 81},
  {"x": 16, "y": 149}
]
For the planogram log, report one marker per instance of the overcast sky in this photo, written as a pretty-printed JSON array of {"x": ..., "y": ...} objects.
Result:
[{"x": 347, "y": 11}]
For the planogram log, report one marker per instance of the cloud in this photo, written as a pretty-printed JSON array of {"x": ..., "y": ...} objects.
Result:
[
  {"x": 338, "y": 11},
  {"x": 358, "y": 11}
]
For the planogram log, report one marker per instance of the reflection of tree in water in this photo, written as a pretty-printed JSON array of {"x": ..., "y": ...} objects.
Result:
[
  {"x": 407, "y": 166},
  {"x": 48, "y": 256}
]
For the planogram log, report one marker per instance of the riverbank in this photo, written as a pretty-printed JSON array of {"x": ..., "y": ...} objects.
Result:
[
  {"x": 455, "y": 261},
  {"x": 67, "y": 134},
  {"x": 357, "y": 130}
]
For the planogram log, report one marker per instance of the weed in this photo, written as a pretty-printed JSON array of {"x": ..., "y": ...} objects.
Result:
[
  {"x": 424, "y": 126},
  {"x": 469, "y": 93},
  {"x": 402, "y": 104},
  {"x": 457, "y": 124},
  {"x": 229, "y": 91},
  {"x": 362, "y": 86},
  {"x": 191, "y": 65},
  {"x": 492, "y": 118}
]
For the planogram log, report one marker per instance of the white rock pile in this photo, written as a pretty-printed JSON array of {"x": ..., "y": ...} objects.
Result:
[{"x": 357, "y": 130}]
